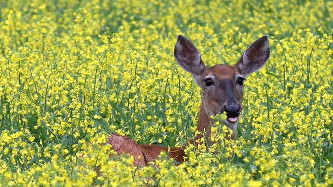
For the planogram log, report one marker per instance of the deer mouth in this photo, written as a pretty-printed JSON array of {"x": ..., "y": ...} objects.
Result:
[
  {"x": 232, "y": 119},
  {"x": 232, "y": 110}
]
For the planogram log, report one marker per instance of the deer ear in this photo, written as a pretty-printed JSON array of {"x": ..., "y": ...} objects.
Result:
[
  {"x": 188, "y": 56},
  {"x": 254, "y": 57}
]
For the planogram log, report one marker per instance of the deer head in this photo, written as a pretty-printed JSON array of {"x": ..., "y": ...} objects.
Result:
[{"x": 222, "y": 85}]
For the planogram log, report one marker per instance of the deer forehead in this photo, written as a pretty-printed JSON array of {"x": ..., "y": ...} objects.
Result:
[{"x": 221, "y": 72}]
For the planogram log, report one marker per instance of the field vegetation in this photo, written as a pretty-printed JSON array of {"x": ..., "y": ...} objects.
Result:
[{"x": 73, "y": 72}]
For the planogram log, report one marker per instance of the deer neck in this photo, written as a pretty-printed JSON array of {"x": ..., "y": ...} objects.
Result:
[{"x": 204, "y": 122}]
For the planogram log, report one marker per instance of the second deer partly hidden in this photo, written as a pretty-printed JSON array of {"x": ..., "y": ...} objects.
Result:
[{"x": 222, "y": 91}]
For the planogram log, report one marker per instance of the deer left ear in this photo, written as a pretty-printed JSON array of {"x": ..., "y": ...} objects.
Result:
[{"x": 254, "y": 57}]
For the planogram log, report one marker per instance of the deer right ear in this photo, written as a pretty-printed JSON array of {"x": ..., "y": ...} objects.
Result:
[
  {"x": 188, "y": 56},
  {"x": 254, "y": 57}
]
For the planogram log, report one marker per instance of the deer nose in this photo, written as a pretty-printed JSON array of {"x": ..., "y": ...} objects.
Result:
[{"x": 232, "y": 110}]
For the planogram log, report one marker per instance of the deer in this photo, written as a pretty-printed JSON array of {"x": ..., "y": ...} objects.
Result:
[{"x": 222, "y": 92}]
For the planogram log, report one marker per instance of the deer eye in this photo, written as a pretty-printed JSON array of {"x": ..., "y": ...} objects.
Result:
[
  {"x": 240, "y": 80},
  {"x": 209, "y": 82}
]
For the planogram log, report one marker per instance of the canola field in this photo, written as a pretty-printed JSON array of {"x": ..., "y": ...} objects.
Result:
[{"x": 73, "y": 72}]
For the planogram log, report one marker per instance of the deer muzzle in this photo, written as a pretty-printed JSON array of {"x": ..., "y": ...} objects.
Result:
[{"x": 232, "y": 109}]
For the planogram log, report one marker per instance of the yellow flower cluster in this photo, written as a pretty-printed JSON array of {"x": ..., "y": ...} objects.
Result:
[{"x": 74, "y": 71}]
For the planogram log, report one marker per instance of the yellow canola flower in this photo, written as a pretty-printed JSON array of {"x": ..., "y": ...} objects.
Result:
[{"x": 254, "y": 183}]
